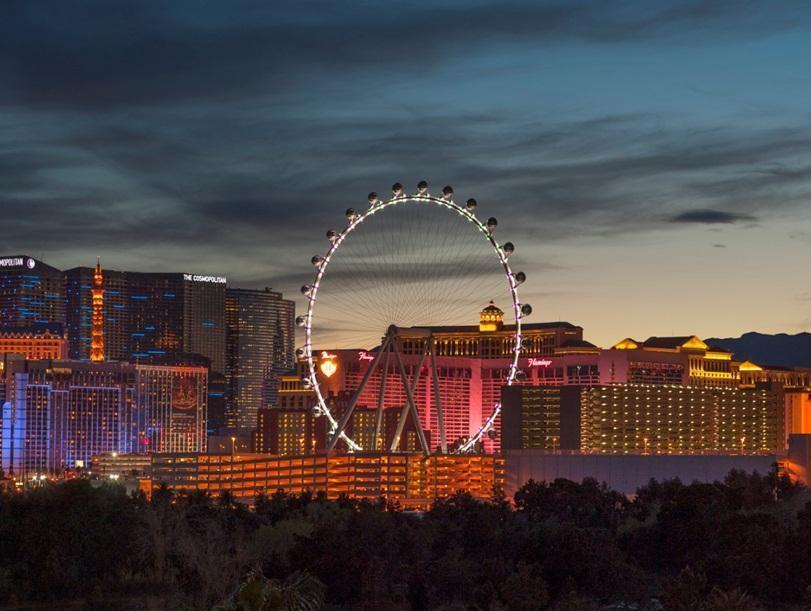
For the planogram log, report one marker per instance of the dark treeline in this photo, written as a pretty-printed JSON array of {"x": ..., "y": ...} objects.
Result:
[{"x": 741, "y": 544}]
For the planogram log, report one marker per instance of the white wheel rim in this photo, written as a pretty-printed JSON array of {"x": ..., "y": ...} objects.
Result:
[{"x": 321, "y": 407}]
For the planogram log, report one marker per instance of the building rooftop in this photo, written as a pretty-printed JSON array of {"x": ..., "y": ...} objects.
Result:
[
  {"x": 711, "y": 348},
  {"x": 493, "y": 308},
  {"x": 475, "y": 328},
  {"x": 53, "y": 329},
  {"x": 577, "y": 343},
  {"x": 676, "y": 343},
  {"x": 668, "y": 342}
]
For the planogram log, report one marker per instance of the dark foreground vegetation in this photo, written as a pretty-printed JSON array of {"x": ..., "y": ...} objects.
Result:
[{"x": 741, "y": 544}]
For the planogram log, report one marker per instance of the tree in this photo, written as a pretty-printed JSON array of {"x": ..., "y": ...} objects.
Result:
[
  {"x": 732, "y": 600},
  {"x": 586, "y": 504},
  {"x": 299, "y": 591},
  {"x": 685, "y": 592},
  {"x": 525, "y": 589}
]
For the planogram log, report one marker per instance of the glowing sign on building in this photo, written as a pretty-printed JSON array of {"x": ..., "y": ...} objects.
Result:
[
  {"x": 365, "y": 356},
  {"x": 18, "y": 262},
  {"x": 533, "y": 362},
  {"x": 196, "y": 278},
  {"x": 327, "y": 364}
]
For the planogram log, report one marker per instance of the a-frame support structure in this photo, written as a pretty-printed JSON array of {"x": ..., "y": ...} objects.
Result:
[{"x": 390, "y": 352}]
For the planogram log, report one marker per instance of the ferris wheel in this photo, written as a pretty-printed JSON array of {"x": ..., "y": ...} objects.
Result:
[{"x": 397, "y": 272}]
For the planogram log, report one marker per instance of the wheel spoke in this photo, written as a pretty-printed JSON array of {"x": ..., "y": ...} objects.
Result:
[{"x": 402, "y": 264}]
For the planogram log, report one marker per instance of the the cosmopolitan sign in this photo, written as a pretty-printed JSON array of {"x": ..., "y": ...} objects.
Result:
[
  {"x": 18, "y": 262},
  {"x": 532, "y": 362},
  {"x": 196, "y": 278}
]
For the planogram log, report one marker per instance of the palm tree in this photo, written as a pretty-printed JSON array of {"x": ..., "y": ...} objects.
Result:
[
  {"x": 729, "y": 600},
  {"x": 297, "y": 592}
]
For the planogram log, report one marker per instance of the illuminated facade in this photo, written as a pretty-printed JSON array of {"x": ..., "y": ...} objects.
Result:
[
  {"x": 293, "y": 394},
  {"x": 682, "y": 360},
  {"x": 679, "y": 420},
  {"x": 79, "y": 314},
  {"x": 531, "y": 418},
  {"x": 796, "y": 383},
  {"x": 289, "y": 431},
  {"x": 148, "y": 317},
  {"x": 97, "y": 320},
  {"x": 491, "y": 339},
  {"x": 115, "y": 465},
  {"x": 57, "y": 414},
  {"x": 798, "y": 411},
  {"x": 260, "y": 338},
  {"x": 177, "y": 313},
  {"x": 172, "y": 407},
  {"x": 794, "y": 378},
  {"x": 473, "y": 363},
  {"x": 675, "y": 394},
  {"x": 38, "y": 342},
  {"x": 361, "y": 427},
  {"x": 646, "y": 418},
  {"x": 410, "y": 479},
  {"x": 31, "y": 292},
  {"x": 289, "y": 425}
]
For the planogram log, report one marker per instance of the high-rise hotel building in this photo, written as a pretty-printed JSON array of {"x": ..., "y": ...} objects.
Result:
[
  {"x": 259, "y": 336},
  {"x": 31, "y": 292},
  {"x": 685, "y": 360},
  {"x": 57, "y": 414},
  {"x": 473, "y": 363},
  {"x": 662, "y": 395},
  {"x": 171, "y": 405},
  {"x": 79, "y": 313},
  {"x": 177, "y": 313},
  {"x": 644, "y": 419},
  {"x": 149, "y": 317}
]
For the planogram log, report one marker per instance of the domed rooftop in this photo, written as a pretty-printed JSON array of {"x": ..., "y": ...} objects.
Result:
[
  {"x": 491, "y": 318},
  {"x": 492, "y": 308}
]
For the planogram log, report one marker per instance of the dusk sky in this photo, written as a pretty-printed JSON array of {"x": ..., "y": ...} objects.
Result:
[{"x": 651, "y": 161}]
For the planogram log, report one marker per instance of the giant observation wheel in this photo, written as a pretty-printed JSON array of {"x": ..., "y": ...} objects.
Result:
[{"x": 403, "y": 268}]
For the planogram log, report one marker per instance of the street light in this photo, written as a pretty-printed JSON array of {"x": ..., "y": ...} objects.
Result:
[{"x": 233, "y": 446}]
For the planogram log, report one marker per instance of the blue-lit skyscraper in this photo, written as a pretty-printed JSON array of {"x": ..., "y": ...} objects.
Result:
[
  {"x": 79, "y": 309},
  {"x": 177, "y": 313},
  {"x": 31, "y": 292},
  {"x": 149, "y": 317}
]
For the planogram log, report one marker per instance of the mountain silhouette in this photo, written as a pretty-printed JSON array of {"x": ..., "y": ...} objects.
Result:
[{"x": 779, "y": 349}]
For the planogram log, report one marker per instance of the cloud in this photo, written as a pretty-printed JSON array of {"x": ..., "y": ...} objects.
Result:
[
  {"x": 97, "y": 55},
  {"x": 251, "y": 196},
  {"x": 710, "y": 217},
  {"x": 229, "y": 140}
]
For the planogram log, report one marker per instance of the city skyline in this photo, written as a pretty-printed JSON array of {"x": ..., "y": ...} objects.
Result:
[
  {"x": 481, "y": 304},
  {"x": 650, "y": 164}
]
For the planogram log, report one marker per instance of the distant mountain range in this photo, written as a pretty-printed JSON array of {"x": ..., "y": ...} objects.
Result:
[{"x": 780, "y": 349}]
